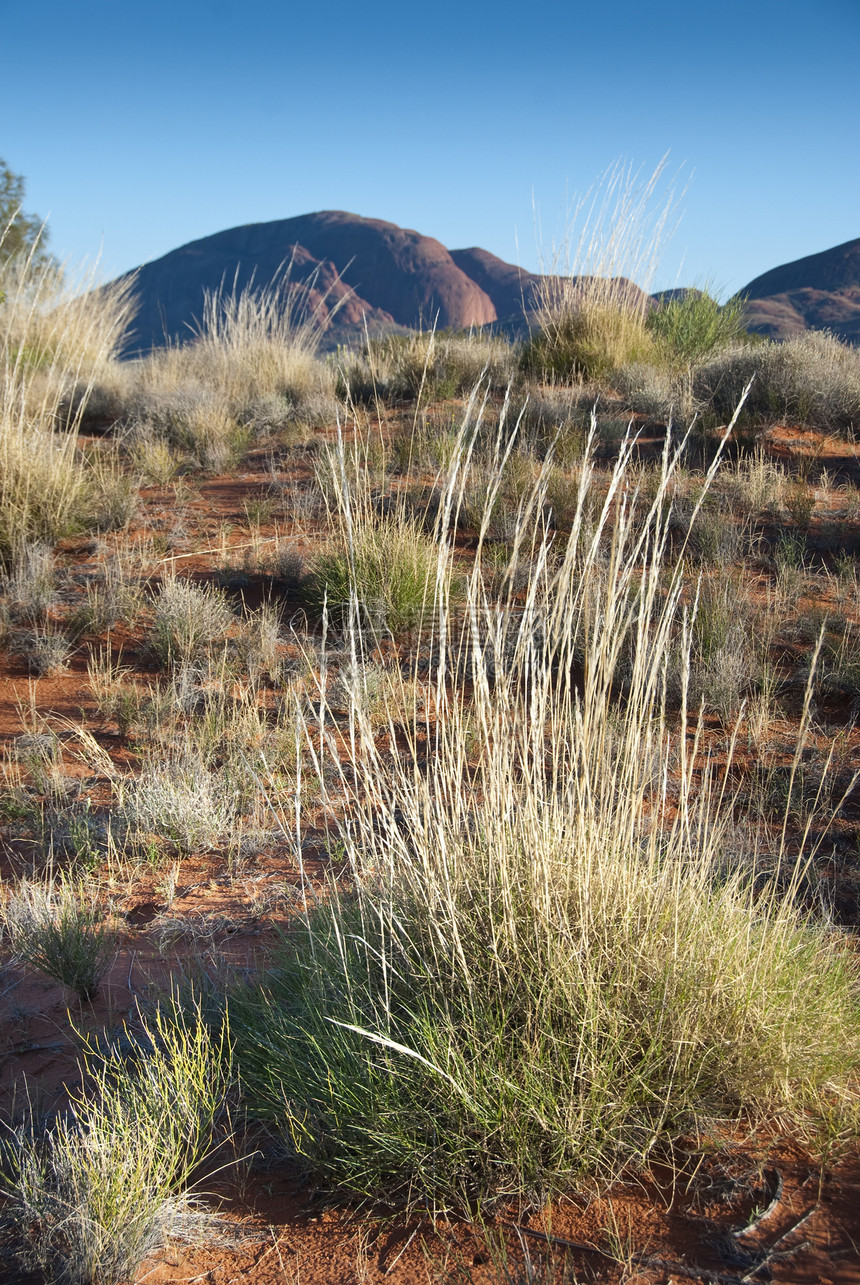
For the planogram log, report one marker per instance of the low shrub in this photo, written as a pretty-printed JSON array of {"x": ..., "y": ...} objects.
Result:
[
  {"x": 103, "y": 1187},
  {"x": 59, "y": 929},
  {"x": 431, "y": 365},
  {"x": 690, "y": 326},
  {"x": 812, "y": 380}
]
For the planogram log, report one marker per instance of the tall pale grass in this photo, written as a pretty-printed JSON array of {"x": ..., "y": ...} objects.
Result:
[
  {"x": 250, "y": 347},
  {"x": 58, "y": 334},
  {"x": 548, "y": 959},
  {"x": 592, "y": 297}
]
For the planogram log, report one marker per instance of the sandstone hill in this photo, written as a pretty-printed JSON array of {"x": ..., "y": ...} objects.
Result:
[
  {"x": 392, "y": 278},
  {"x": 368, "y": 274},
  {"x": 820, "y": 291}
]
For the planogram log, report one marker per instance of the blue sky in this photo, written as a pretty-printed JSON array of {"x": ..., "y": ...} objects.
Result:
[{"x": 141, "y": 127}]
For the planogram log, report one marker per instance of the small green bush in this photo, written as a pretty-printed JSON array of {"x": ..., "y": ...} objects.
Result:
[
  {"x": 59, "y": 930},
  {"x": 693, "y": 326}
]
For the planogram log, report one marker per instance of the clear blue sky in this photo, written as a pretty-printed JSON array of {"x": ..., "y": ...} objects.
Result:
[{"x": 139, "y": 127}]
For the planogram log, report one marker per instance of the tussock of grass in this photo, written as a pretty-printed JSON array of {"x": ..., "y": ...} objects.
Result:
[
  {"x": 428, "y": 366},
  {"x": 546, "y": 963},
  {"x": 57, "y": 333},
  {"x": 183, "y": 800},
  {"x": 590, "y": 314},
  {"x": 59, "y": 929},
  {"x": 590, "y": 341},
  {"x": 189, "y": 620},
  {"x": 812, "y": 380},
  {"x": 106, "y": 1185},
  {"x": 385, "y": 573},
  {"x": 252, "y": 369},
  {"x": 381, "y": 568}
]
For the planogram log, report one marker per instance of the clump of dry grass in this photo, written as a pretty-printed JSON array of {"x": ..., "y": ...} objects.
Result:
[
  {"x": 427, "y": 366},
  {"x": 252, "y": 369},
  {"x": 547, "y": 962},
  {"x": 189, "y": 619},
  {"x": 812, "y": 380},
  {"x": 181, "y": 799},
  {"x": 592, "y": 302},
  {"x": 58, "y": 334}
]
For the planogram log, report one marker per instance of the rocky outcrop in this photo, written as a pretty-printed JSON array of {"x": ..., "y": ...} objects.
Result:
[
  {"x": 818, "y": 292},
  {"x": 381, "y": 275},
  {"x": 512, "y": 290},
  {"x": 365, "y": 274}
]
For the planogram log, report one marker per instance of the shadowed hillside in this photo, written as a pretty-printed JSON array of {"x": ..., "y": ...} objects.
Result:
[{"x": 817, "y": 292}]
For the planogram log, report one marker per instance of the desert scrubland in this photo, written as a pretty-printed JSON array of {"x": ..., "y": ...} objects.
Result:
[{"x": 428, "y": 798}]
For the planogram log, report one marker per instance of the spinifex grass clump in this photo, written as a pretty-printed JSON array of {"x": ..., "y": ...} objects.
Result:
[
  {"x": 590, "y": 311},
  {"x": 106, "y": 1185},
  {"x": 381, "y": 570},
  {"x": 182, "y": 800},
  {"x": 386, "y": 572},
  {"x": 546, "y": 961},
  {"x": 58, "y": 929},
  {"x": 812, "y": 379},
  {"x": 57, "y": 336},
  {"x": 428, "y": 365}
]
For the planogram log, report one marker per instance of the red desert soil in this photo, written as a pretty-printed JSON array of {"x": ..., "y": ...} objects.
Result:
[{"x": 755, "y": 1208}]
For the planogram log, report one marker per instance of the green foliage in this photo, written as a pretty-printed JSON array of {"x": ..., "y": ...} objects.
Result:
[
  {"x": 105, "y": 1185},
  {"x": 59, "y": 930},
  {"x": 693, "y": 326},
  {"x": 588, "y": 343},
  {"x": 386, "y": 573},
  {"x": 20, "y": 234}
]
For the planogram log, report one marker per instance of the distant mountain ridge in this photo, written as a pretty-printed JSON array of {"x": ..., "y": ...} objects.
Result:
[
  {"x": 365, "y": 274},
  {"x": 818, "y": 292}
]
